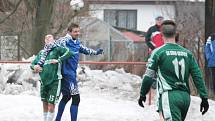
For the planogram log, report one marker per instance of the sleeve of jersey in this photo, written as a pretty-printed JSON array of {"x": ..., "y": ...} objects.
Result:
[
  {"x": 198, "y": 79},
  {"x": 47, "y": 49},
  {"x": 87, "y": 51},
  {"x": 150, "y": 75},
  {"x": 146, "y": 84},
  {"x": 65, "y": 54},
  {"x": 148, "y": 39},
  {"x": 35, "y": 61}
]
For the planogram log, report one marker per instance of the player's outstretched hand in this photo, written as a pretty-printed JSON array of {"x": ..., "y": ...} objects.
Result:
[
  {"x": 204, "y": 106},
  {"x": 37, "y": 68},
  {"x": 140, "y": 101},
  {"x": 99, "y": 51}
]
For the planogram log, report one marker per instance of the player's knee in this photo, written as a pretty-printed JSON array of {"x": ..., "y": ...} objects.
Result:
[
  {"x": 66, "y": 98},
  {"x": 51, "y": 107},
  {"x": 75, "y": 99}
]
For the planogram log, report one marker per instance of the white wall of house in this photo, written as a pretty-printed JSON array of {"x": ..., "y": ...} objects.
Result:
[{"x": 145, "y": 13}]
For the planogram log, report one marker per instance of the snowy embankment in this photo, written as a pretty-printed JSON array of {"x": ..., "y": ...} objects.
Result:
[{"x": 105, "y": 96}]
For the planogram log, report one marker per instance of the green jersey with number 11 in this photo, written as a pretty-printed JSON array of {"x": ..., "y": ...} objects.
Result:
[{"x": 171, "y": 65}]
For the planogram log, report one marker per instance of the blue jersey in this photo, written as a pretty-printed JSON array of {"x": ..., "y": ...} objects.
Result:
[{"x": 70, "y": 65}]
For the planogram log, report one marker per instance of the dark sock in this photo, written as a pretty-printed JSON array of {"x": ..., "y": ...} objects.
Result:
[{"x": 74, "y": 112}]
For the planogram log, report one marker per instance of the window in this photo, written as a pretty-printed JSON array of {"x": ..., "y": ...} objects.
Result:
[{"x": 121, "y": 18}]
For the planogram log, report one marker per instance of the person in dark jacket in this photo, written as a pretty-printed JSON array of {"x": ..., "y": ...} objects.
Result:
[
  {"x": 153, "y": 35},
  {"x": 154, "y": 40}
]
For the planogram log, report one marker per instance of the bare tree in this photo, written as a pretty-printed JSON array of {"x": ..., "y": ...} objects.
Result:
[
  {"x": 28, "y": 16},
  {"x": 191, "y": 25},
  {"x": 44, "y": 12},
  {"x": 5, "y": 5},
  {"x": 32, "y": 19}
]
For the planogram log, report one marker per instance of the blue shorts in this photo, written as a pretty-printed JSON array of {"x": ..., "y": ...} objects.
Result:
[{"x": 69, "y": 86}]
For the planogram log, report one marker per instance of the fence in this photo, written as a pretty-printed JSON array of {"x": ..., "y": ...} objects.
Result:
[{"x": 9, "y": 48}]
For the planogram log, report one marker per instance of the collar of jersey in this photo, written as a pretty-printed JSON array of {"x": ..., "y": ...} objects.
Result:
[
  {"x": 70, "y": 37},
  {"x": 171, "y": 43}
]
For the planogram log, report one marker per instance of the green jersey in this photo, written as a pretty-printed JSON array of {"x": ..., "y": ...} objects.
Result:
[
  {"x": 171, "y": 65},
  {"x": 51, "y": 72}
]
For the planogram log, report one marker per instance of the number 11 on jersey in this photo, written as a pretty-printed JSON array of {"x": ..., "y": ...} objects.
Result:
[{"x": 179, "y": 68}]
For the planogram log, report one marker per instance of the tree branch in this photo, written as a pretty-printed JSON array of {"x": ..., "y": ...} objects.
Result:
[
  {"x": 63, "y": 26},
  {"x": 17, "y": 5}
]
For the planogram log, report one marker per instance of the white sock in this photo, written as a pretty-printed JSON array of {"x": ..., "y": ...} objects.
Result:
[
  {"x": 50, "y": 116},
  {"x": 45, "y": 115}
]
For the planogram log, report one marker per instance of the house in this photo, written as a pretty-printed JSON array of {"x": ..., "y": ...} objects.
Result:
[{"x": 131, "y": 14}]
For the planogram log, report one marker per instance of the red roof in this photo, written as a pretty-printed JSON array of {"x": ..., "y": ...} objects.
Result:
[{"x": 133, "y": 36}]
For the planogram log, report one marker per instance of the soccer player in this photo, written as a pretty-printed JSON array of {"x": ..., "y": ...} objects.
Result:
[
  {"x": 50, "y": 76},
  {"x": 171, "y": 65}
]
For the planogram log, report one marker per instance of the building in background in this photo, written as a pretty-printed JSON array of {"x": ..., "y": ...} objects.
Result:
[{"x": 131, "y": 14}]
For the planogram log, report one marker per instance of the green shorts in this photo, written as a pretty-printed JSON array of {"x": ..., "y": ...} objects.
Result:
[
  {"x": 174, "y": 105},
  {"x": 51, "y": 93}
]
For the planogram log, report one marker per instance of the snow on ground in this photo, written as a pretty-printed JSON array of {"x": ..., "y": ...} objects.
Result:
[{"x": 105, "y": 96}]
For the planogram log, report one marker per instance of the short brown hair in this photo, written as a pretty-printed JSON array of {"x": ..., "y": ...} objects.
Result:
[
  {"x": 168, "y": 28},
  {"x": 72, "y": 26},
  {"x": 159, "y": 18}
]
